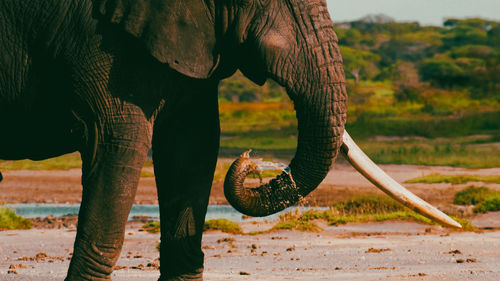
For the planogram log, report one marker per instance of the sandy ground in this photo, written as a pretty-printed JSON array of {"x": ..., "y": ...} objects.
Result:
[
  {"x": 373, "y": 251},
  {"x": 370, "y": 251},
  {"x": 342, "y": 182}
]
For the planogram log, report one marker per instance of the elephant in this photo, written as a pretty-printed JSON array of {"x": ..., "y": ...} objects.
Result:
[{"x": 113, "y": 79}]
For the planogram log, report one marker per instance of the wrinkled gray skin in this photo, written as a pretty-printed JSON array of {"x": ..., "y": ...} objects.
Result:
[{"x": 111, "y": 79}]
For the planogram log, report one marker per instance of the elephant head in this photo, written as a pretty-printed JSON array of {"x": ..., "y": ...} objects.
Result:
[
  {"x": 289, "y": 41},
  {"x": 293, "y": 42}
]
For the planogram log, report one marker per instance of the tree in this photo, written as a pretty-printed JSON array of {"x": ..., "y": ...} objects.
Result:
[
  {"x": 350, "y": 37},
  {"x": 494, "y": 36},
  {"x": 358, "y": 62},
  {"x": 238, "y": 88},
  {"x": 472, "y": 51},
  {"x": 464, "y": 35},
  {"x": 442, "y": 72}
]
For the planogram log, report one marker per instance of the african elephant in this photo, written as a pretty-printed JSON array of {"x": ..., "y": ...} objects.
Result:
[{"x": 114, "y": 78}]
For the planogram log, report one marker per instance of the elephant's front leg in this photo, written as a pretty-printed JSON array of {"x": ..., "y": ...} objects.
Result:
[
  {"x": 185, "y": 149},
  {"x": 111, "y": 173}
]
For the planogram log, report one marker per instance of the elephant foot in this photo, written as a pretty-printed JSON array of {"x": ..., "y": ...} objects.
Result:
[
  {"x": 93, "y": 261},
  {"x": 193, "y": 276}
]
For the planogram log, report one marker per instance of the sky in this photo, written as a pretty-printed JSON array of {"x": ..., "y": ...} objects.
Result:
[{"x": 426, "y": 12}]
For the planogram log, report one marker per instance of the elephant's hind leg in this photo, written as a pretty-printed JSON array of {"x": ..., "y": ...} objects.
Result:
[
  {"x": 110, "y": 179},
  {"x": 185, "y": 148}
]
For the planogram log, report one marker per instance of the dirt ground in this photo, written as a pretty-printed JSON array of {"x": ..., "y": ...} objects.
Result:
[
  {"x": 342, "y": 182},
  {"x": 369, "y": 251}
]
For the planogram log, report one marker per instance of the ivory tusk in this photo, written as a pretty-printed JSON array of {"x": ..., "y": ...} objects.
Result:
[{"x": 360, "y": 161}]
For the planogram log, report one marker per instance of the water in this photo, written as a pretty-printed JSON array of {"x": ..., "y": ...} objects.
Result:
[{"x": 34, "y": 210}]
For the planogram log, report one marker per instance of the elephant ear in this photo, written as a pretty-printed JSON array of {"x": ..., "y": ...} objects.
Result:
[{"x": 177, "y": 32}]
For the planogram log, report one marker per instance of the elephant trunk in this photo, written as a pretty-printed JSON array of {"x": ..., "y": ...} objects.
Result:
[
  {"x": 315, "y": 81},
  {"x": 320, "y": 104}
]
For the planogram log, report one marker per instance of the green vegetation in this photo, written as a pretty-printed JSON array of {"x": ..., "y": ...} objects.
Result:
[
  {"x": 485, "y": 199},
  {"x": 370, "y": 208},
  {"x": 434, "y": 87},
  {"x": 466, "y": 224},
  {"x": 147, "y": 174},
  {"x": 474, "y": 195},
  {"x": 357, "y": 209},
  {"x": 471, "y": 152},
  {"x": 399, "y": 215},
  {"x": 152, "y": 227},
  {"x": 404, "y": 79},
  {"x": 454, "y": 179},
  {"x": 65, "y": 162},
  {"x": 295, "y": 220},
  {"x": 9, "y": 220},
  {"x": 223, "y": 225},
  {"x": 361, "y": 205},
  {"x": 458, "y": 152},
  {"x": 491, "y": 204}
]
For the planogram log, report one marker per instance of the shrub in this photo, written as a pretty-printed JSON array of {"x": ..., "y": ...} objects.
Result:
[
  {"x": 223, "y": 225},
  {"x": 474, "y": 195},
  {"x": 152, "y": 227},
  {"x": 9, "y": 220},
  {"x": 491, "y": 204},
  {"x": 296, "y": 220},
  {"x": 300, "y": 225}
]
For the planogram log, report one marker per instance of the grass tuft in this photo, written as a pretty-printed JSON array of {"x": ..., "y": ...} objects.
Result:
[
  {"x": 490, "y": 204},
  {"x": 10, "y": 220},
  {"x": 368, "y": 205},
  {"x": 397, "y": 215},
  {"x": 474, "y": 195},
  {"x": 223, "y": 225},
  {"x": 356, "y": 209},
  {"x": 485, "y": 199},
  {"x": 152, "y": 227},
  {"x": 466, "y": 224},
  {"x": 295, "y": 220},
  {"x": 454, "y": 179},
  {"x": 147, "y": 174}
]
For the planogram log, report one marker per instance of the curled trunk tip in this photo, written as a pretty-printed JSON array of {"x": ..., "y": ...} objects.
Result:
[{"x": 266, "y": 199}]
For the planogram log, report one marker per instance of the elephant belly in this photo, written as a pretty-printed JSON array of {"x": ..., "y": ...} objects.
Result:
[
  {"x": 35, "y": 106},
  {"x": 35, "y": 112}
]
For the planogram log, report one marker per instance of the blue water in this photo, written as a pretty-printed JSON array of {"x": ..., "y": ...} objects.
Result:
[{"x": 34, "y": 210}]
